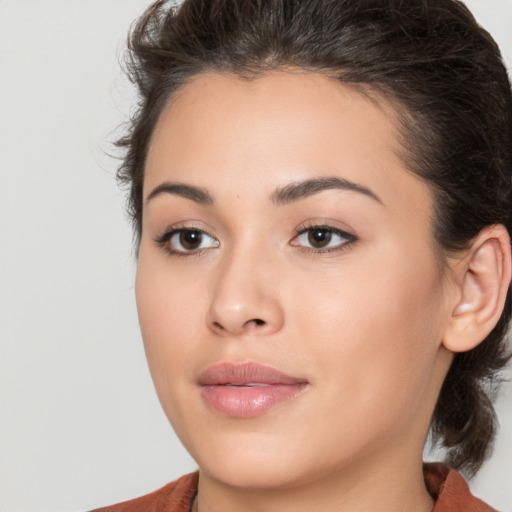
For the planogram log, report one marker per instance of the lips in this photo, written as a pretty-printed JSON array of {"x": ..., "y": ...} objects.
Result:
[{"x": 247, "y": 390}]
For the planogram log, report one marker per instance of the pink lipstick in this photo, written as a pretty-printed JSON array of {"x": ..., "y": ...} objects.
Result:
[{"x": 247, "y": 390}]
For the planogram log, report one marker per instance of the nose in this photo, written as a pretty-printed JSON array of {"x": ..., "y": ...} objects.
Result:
[{"x": 245, "y": 298}]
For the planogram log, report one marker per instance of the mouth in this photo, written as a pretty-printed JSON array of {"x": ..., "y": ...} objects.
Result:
[{"x": 247, "y": 390}]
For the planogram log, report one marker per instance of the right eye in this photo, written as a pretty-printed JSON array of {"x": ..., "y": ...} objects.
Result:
[{"x": 185, "y": 241}]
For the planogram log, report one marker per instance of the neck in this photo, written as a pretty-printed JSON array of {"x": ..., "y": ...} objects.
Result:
[{"x": 386, "y": 487}]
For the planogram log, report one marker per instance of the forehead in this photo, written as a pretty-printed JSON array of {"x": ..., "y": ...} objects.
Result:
[
  {"x": 220, "y": 129},
  {"x": 259, "y": 108}
]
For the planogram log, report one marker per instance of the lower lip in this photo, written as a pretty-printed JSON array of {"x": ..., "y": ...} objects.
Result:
[{"x": 249, "y": 401}]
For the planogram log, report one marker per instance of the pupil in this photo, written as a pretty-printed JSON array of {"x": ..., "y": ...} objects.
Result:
[
  {"x": 319, "y": 237},
  {"x": 190, "y": 239}
]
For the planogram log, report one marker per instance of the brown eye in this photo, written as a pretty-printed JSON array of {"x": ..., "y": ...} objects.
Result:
[
  {"x": 323, "y": 239},
  {"x": 190, "y": 240},
  {"x": 187, "y": 241},
  {"x": 319, "y": 238}
]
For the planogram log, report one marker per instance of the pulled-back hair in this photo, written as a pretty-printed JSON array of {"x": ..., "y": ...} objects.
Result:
[{"x": 445, "y": 77}]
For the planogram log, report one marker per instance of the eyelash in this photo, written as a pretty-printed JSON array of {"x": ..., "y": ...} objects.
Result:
[
  {"x": 164, "y": 239},
  {"x": 350, "y": 239}
]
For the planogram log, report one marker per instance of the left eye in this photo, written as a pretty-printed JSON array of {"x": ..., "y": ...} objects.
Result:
[{"x": 321, "y": 237}]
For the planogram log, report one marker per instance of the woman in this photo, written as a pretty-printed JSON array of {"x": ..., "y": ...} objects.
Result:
[{"x": 321, "y": 196}]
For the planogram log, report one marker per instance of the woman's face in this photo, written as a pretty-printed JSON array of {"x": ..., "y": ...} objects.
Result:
[{"x": 289, "y": 295}]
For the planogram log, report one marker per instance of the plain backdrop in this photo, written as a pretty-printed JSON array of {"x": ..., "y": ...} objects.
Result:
[{"x": 80, "y": 423}]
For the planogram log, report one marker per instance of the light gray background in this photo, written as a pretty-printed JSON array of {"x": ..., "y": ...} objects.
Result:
[{"x": 80, "y": 423}]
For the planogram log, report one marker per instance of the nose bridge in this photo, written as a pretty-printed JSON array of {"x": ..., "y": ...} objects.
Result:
[{"x": 244, "y": 296}]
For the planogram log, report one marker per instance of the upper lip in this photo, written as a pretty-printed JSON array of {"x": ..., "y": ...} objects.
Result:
[{"x": 245, "y": 373}]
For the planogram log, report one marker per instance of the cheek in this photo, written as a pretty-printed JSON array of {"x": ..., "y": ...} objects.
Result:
[
  {"x": 169, "y": 320},
  {"x": 169, "y": 308},
  {"x": 376, "y": 332}
]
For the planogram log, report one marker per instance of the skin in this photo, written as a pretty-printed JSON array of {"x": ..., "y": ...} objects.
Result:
[{"x": 363, "y": 324}]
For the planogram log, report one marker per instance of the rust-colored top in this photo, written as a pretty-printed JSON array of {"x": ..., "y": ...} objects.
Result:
[
  {"x": 445, "y": 485},
  {"x": 450, "y": 491},
  {"x": 174, "y": 497}
]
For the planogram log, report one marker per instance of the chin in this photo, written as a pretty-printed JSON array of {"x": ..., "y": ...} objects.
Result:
[
  {"x": 253, "y": 460},
  {"x": 246, "y": 473}
]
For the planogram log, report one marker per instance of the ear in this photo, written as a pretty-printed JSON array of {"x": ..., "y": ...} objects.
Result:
[{"x": 481, "y": 281}]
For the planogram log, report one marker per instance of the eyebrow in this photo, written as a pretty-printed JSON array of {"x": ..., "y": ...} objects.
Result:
[
  {"x": 281, "y": 196},
  {"x": 196, "y": 194},
  {"x": 302, "y": 189}
]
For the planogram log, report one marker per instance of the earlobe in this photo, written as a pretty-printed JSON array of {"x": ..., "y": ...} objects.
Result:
[{"x": 483, "y": 279}]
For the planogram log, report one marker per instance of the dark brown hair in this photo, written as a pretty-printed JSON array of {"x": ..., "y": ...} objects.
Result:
[{"x": 445, "y": 77}]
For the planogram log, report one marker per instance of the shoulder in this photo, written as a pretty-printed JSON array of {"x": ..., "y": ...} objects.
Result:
[
  {"x": 176, "y": 496},
  {"x": 450, "y": 490}
]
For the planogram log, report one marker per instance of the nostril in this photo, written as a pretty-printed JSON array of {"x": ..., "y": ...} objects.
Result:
[
  {"x": 218, "y": 326},
  {"x": 238, "y": 328},
  {"x": 256, "y": 321}
]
